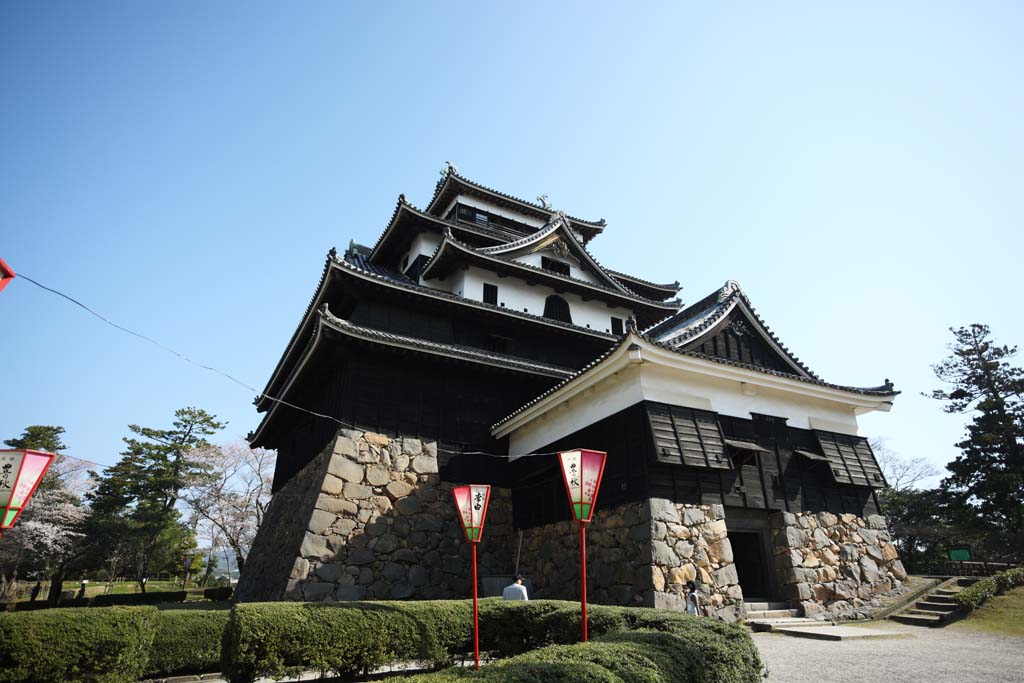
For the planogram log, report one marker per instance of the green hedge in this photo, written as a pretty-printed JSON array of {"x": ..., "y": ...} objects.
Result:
[
  {"x": 109, "y": 645},
  {"x": 187, "y": 641},
  {"x": 279, "y": 639},
  {"x": 52, "y": 646},
  {"x": 975, "y": 596}
]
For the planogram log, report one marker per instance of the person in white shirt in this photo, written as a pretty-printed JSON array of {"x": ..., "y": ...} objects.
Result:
[{"x": 515, "y": 591}]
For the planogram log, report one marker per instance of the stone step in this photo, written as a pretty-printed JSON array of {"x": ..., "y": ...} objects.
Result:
[
  {"x": 830, "y": 632},
  {"x": 946, "y": 591},
  {"x": 928, "y": 612},
  {"x": 772, "y": 614},
  {"x": 944, "y": 599},
  {"x": 917, "y": 619},
  {"x": 935, "y": 606},
  {"x": 762, "y": 606},
  {"x": 775, "y": 624},
  {"x": 967, "y": 581}
]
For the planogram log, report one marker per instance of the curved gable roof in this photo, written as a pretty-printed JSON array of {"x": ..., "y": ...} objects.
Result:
[
  {"x": 452, "y": 184},
  {"x": 689, "y": 327}
]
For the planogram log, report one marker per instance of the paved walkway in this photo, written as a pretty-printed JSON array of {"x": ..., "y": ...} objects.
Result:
[{"x": 955, "y": 654}]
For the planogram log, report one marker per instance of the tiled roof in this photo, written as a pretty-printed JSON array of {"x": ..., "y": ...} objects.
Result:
[
  {"x": 452, "y": 173},
  {"x": 442, "y": 223},
  {"x": 467, "y": 353},
  {"x": 344, "y": 264},
  {"x": 884, "y": 390},
  {"x": 693, "y": 321},
  {"x": 482, "y": 254}
]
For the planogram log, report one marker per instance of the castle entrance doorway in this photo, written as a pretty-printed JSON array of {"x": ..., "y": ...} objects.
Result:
[{"x": 752, "y": 565}]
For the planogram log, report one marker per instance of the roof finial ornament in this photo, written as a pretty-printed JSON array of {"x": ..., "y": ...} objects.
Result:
[
  {"x": 333, "y": 253},
  {"x": 630, "y": 325},
  {"x": 449, "y": 169},
  {"x": 543, "y": 199},
  {"x": 728, "y": 289}
]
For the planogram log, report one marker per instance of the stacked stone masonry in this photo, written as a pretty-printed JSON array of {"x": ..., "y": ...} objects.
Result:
[
  {"x": 381, "y": 526},
  {"x": 369, "y": 518},
  {"x": 835, "y": 566},
  {"x": 639, "y": 554}
]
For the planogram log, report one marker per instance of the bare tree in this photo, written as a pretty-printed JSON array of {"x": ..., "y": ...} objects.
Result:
[
  {"x": 233, "y": 500},
  {"x": 901, "y": 473}
]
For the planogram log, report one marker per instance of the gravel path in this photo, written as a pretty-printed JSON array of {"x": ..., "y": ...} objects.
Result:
[{"x": 931, "y": 656}]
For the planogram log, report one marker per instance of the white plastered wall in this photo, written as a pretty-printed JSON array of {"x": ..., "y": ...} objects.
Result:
[
  {"x": 638, "y": 382},
  {"x": 535, "y": 259},
  {"x": 516, "y": 295}
]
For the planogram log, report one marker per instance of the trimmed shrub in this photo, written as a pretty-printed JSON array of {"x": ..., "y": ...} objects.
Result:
[
  {"x": 278, "y": 639},
  {"x": 158, "y": 598},
  {"x": 636, "y": 657},
  {"x": 187, "y": 641},
  {"x": 345, "y": 638},
  {"x": 57, "y": 645},
  {"x": 975, "y": 596},
  {"x": 218, "y": 594}
]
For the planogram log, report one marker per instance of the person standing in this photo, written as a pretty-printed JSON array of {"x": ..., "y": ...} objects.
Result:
[
  {"x": 515, "y": 591},
  {"x": 35, "y": 590},
  {"x": 692, "y": 599}
]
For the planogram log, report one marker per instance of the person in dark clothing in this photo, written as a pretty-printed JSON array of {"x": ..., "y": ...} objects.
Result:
[{"x": 35, "y": 590}]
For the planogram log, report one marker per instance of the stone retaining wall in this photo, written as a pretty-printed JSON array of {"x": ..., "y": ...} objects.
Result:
[
  {"x": 638, "y": 554},
  {"x": 369, "y": 518},
  {"x": 618, "y": 573},
  {"x": 835, "y": 565},
  {"x": 691, "y": 543}
]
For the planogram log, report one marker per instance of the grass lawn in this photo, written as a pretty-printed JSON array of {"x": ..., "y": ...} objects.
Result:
[
  {"x": 95, "y": 588},
  {"x": 1003, "y": 614}
]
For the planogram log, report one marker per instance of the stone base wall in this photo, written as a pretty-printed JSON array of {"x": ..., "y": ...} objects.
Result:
[
  {"x": 617, "y": 572},
  {"x": 369, "y": 518},
  {"x": 835, "y": 566},
  {"x": 638, "y": 554},
  {"x": 691, "y": 543}
]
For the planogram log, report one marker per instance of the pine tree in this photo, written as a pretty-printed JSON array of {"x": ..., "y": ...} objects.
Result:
[
  {"x": 134, "y": 504},
  {"x": 987, "y": 478}
]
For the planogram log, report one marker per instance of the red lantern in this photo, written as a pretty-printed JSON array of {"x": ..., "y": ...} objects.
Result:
[
  {"x": 6, "y": 275},
  {"x": 471, "y": 502},
  {"x": 20, "y": 474},
  {"x": 582, "y": 471}
]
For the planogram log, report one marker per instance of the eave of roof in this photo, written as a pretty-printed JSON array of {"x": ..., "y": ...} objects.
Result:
[
  {"x": 634, "y": 341},
  {"x": 326, "y": 321},
  {"x": 338, "y": 265},
  {"x": 559, "y": 224},
  {"x": 403, "y": 208},
  {"x": 669, "y": 288},
  {"x": 451, "y": 176},
  {"x": 450, "y": 243}
]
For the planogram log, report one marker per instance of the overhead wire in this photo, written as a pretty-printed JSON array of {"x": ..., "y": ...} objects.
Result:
[{"x": 259, "y": 394}]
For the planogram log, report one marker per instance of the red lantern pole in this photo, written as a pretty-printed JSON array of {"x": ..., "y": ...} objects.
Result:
[
  {"x": 471, "y": 503},
  {"x": 583, "y": 576},
  {"x": 476, "y": 616},
  {"x": 582, "y": 471}
]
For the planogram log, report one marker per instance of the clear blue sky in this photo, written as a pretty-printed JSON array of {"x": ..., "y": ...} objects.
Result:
[{"x": 184, "y": 167}]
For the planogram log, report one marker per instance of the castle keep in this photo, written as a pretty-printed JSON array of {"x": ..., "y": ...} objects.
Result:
[{"x": 479, "y": 336}]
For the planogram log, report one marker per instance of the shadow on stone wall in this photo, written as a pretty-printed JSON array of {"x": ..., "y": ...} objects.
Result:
[{"x": 379, "y": 524}]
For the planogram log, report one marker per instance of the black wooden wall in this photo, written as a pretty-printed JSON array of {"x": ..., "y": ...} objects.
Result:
[
  {"x": 397, "y": 392},
  {"x": 775, "y": 480}
]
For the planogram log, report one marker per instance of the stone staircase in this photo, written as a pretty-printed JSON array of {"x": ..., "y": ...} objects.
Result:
[
  {"x": 771, "y": 616},
  {"x": 937, "y": 608}
]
